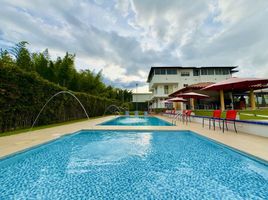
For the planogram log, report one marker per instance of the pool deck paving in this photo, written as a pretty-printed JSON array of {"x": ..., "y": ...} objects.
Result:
[{"x": 252, "y": 144}]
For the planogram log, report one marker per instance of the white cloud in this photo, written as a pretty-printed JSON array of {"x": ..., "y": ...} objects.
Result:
[{"x": 125, "y": 38}]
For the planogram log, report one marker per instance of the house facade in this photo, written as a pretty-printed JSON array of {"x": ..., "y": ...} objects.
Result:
[{"x": 166, "y": 80}]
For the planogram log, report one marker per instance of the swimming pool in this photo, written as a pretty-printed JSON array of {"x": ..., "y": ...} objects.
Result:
[
  {"x": 136, "y": 121},
  {"x": 132, "y": 165}
]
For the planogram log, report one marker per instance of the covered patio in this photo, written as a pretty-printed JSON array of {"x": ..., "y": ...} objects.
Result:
[
  {"x": 199, "y": 103},
  {"x": 233, "y": 93},
  {"x": 238, "y": 87}
]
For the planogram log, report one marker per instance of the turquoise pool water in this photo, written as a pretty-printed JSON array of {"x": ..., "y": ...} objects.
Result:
[
  {"x": 132, "y": 165},
  {"x": 136, "y": 121}
]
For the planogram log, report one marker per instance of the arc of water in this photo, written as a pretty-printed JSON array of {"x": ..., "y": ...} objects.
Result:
[
  {"x": 61, "y": 92},
  {"x": 115, "y": 106}
]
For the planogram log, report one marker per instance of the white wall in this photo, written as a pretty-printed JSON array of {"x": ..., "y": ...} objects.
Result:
[{"x": 161, "y": 89}]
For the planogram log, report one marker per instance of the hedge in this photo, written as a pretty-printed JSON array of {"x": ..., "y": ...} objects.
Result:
[{"x": 23, "y": 94}]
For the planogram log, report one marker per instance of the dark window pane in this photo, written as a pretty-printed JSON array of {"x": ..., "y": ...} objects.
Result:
[
  {"x": 204, "y": 72},
  {"x": 225, "y": 71},
  {"x": 171, "y": 71},
  {"x": 196, "y": 72},
  {"x": 210, "y": 71},
  {"x": 185, "y": 73},
  {"x": 157, "y": 71},
  {"x": 218, "y": 71}
]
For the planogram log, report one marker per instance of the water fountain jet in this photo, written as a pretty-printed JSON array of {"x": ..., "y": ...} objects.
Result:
[{"x": 61, "y": 92}]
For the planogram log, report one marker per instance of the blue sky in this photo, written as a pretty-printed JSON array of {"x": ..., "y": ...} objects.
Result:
[{"x": 125, "y": 38}]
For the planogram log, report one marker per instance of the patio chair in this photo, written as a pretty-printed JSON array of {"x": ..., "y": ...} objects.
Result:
[
  {"x": 230, "y": 118},
  {"x": 145, "y": 113},
  {"x": 186, "y": 116},
  {"x": 136, "y": 113},
  {"x": 126, "y": 113},
  {"x": 215, "y": 117},
  {"x": 170, "y": 113},
  {"x": 173, "y": 113},
  {"x": 180, "y": 115},
  {"x": 176, "y": 117}
]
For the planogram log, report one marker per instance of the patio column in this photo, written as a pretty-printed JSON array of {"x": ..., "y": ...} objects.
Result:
[
  {"x": 192, "y": 103},
  {"x": 222, "y": 100},
  {"x": 252, "y": 100}
]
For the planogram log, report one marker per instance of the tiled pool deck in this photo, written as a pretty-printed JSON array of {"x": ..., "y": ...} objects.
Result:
[{"x": 251, "y": 144}]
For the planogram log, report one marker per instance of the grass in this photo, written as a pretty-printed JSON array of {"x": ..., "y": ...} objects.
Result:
[
  {"x": 18, "y": 131},
  {"x": 253, "y": 114}
]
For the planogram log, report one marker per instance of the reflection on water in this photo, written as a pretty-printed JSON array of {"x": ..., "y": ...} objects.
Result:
[
  {"x": 132, "y": 120},
  {"x": 136, "y": 121},
  {"x": 110, "y": 150}
]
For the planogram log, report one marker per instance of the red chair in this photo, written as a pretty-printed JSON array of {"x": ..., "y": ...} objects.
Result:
[
  {"x": 230, "y": 117},
  {"x": 215, "y": 117},
  {"x": 186, "y": 116}
]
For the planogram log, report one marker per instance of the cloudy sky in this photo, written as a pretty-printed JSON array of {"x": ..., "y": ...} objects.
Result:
[{"x": 125, "y": 38}]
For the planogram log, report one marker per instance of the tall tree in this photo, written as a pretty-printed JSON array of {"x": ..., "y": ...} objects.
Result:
[
  {"x": 23, "y": 56},
  {"x": 66, "y": 70},
  {"x": 41, "y": 63},
  {"x": 5, "y": 58}
]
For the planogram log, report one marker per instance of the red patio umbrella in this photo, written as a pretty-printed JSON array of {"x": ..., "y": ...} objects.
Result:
[
  {"x": 240, "y": 84},
  {"x": 166, "y": 101},
  {"x": 192, "y": 96},
  {"x": 177, "y": 99}
]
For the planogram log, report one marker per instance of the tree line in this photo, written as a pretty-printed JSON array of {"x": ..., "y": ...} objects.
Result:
[{"x": 61, "y": 71}]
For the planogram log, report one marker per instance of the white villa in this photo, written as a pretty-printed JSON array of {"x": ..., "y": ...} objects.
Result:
[{"x": 166, "y": 80}]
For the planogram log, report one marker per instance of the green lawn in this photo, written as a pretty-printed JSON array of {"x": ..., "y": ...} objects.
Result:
[{"x": 252, "y": 114}]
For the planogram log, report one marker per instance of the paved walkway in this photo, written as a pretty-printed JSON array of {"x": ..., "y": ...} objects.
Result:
[{"x": 251, "y": 144}]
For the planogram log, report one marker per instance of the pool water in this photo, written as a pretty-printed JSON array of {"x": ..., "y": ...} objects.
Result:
[
  {"x": 136, "y": 121},
  {"x": 132, "y": 165}
]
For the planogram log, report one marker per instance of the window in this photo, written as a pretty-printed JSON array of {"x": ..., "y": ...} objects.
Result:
[
  {"x": 210, "y": 71},
  {"x": 165, "y": 89},
  {"x": 171, "y": 71},
  {"x": 185, "y": 73},
  {"x": 155, "y": 90},
  {"x": 185, "y": 85},
  {"x": 204, "y": 72},
  {"x": 218, "y": 71},
  {"x": 225, "y": 71},
  {"x": 159, "y": 71},
  {"x": 196, "y": 72}
]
